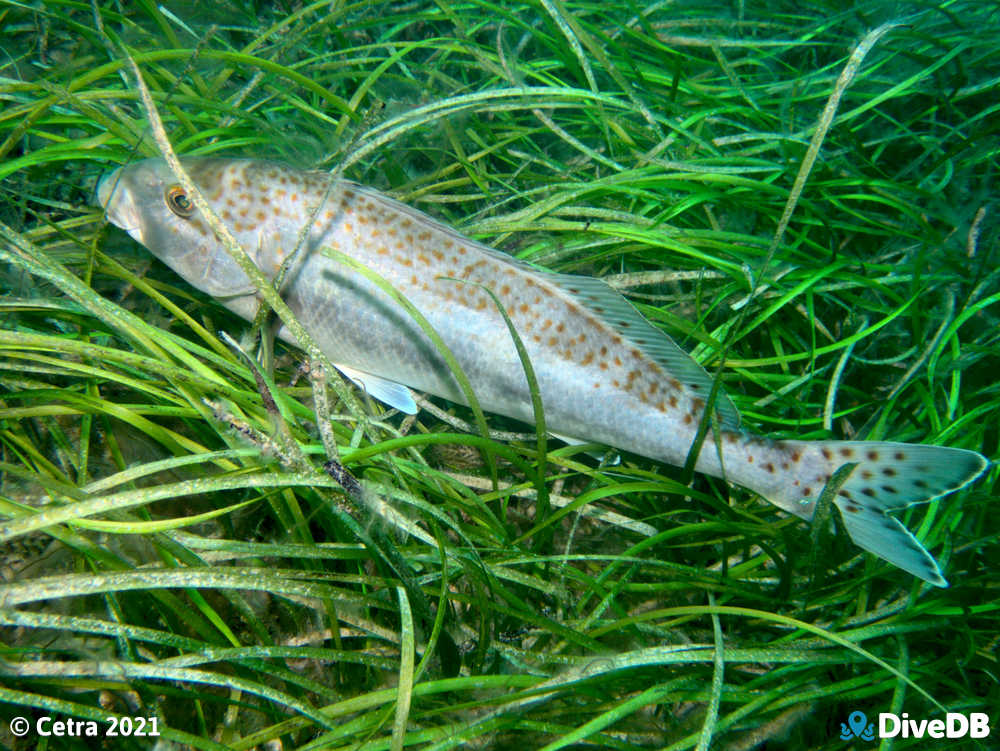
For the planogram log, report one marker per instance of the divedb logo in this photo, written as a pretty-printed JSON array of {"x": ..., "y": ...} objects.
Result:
[{"x": 890, "y": 725}]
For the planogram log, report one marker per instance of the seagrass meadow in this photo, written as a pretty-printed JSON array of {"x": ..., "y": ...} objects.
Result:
[{"x": 209, "y": 530}]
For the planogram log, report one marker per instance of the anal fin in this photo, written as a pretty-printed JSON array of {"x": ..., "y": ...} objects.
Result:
[{"x": 600, "y": 456}]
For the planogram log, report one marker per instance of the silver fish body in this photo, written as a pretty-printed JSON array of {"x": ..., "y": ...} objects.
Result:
[{"x": 604, "y": 373}]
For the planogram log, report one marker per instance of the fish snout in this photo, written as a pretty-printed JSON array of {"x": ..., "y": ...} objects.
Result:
[
  {"x": 116, "y": 199},
  {"x": 105, "y": 185}
]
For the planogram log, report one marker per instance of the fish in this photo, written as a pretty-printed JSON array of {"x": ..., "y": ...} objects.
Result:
[{"x": 604, "y": 373}]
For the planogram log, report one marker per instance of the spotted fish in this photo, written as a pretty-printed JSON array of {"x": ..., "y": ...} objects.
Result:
[{"x": 605, "y": 374}]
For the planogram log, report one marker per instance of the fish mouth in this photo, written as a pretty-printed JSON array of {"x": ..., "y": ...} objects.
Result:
[
  {"x": 105, "y": 185},
  {"x": 116, "y": 200}
]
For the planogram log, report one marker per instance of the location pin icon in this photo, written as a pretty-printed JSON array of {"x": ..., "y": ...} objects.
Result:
[{"x": 857, "y": 721}]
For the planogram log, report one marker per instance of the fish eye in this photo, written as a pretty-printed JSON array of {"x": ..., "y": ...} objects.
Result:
[{"x": 178, "y": 201}]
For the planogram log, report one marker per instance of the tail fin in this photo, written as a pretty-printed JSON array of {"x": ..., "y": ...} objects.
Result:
[{"x": 889, "y": 476}]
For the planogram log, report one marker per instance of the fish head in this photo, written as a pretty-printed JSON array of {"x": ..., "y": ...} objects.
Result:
[{"x": 145, "y": 199}]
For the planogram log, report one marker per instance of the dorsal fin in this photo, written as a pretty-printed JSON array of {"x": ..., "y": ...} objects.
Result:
[{"x": 618, "y": 313}]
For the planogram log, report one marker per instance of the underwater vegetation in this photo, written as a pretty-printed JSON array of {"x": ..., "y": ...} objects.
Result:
[{"x": 205, "y": 526}]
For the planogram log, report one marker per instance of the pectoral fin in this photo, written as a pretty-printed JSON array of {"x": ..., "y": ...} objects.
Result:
[{"x": 394, "y": 394}]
